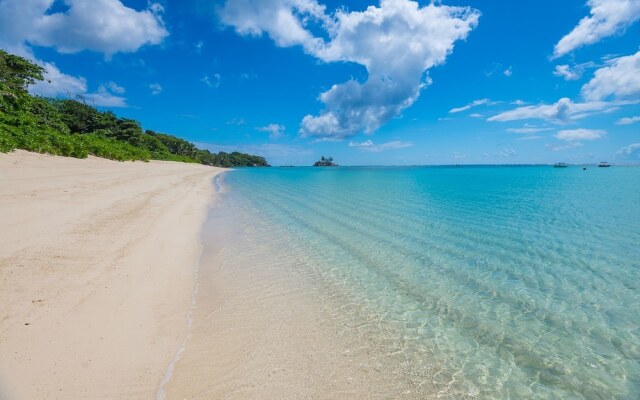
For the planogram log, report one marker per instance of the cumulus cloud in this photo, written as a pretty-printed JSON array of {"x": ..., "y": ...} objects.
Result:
[
  {"x": 563, "y": 111},
  {"x": 475, "y": 103},
  {"x": 620, "y": 79},
  {"x": 396, "y": 42},
  {"x": 284, "y": 21},
  {"x": 630, "y": 151},
  {"x": 276, "y": 131},
  {"x": 508, "y": 72},
  {"x": 105, "y": 26},
  {"x": 608, "y": 17},
  {"x": 628, "y": 120},
  {"x": 571, "y": 135},
  {"x": 368, "y": 145}
]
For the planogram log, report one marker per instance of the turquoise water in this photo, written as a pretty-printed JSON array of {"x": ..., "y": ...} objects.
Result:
[{"x": 497, "y": 282}]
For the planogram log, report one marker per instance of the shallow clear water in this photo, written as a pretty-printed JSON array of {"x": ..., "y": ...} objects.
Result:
[{"x": 497, "y": 282}]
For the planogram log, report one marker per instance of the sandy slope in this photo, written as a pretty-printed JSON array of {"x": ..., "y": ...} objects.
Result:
[{"x": 96, "y": 273}]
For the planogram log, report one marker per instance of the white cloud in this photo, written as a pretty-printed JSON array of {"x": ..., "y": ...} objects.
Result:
[
  {"x": 532, "y": 137},
  {"x": 397, "y": 42},
  {"x": 476, "y": 115},
  {"x": 498, "y": 68},
  {"x": 571, "y": 135},
  {"x": 459, "y": 156},
  {"x": 507, "y": 152},
  {"x": 104, "y": 98},
  {"x": 628, "y": 120},
  {"x": 475, "y": 103},
  {"x": 236, "y": 122},
  {"x": 630, "y": 151},
  {"x": 568, "y": 73},
  {"x": 105, "y": 26},
  {"x": 620, "y": 79},
  {"x": 284, "y": 21},
  {"x": 212, "y": 81},
  {"x": 573, "y": 72},
  {"x": 275, "y": 131},
  {"x": 368, "y": 145},
  {"x": 245, "y": 76},
  {"x": 608, "y": 17},
  {"x": 56, "y": 83},
  {"x": 563, "y": 111},
  {"x": 101, "y": 25},
  {"x": 156, "y": 88},
  {"x": 528, "y": 129},
  {"x": 114, "y": 88}
]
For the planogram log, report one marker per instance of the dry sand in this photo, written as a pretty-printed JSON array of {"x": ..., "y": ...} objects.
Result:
[{"x": 97, "y": 262}]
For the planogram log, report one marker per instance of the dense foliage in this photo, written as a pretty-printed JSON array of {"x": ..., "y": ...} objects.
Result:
[
  {"x": 325, "y": 162},
  {"x": 73, "y": 128}
]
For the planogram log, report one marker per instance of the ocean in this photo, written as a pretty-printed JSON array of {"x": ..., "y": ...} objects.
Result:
[{"x": 484, "y": 282}]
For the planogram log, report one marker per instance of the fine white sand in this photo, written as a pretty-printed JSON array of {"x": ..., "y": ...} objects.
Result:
[{"x": 97, "y": 262}]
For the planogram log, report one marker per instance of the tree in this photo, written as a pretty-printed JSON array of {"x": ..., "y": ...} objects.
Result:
[
  {"x": 74, "y": 128},
  {"x": 325, "y": 162},
  {"x": 128, "y": 130},
  {"x": 83, "y": 118},
  {"x": 17, "y": 73}
]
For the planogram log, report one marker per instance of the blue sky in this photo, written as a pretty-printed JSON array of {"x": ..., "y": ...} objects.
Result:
[{"x": 368, "y": 82}]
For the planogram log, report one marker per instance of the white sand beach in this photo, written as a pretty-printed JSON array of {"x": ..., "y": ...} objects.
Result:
[{"x": 97, "y": 262}]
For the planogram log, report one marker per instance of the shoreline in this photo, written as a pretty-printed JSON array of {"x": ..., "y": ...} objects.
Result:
[
  {"x": 269, "y": 324},
  {"x": 98, "y": 265}
]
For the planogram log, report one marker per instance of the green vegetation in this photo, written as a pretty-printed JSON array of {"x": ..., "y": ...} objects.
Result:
[
  {"x": 73, "y": 128},
  {"x": 325, "y": 162}
]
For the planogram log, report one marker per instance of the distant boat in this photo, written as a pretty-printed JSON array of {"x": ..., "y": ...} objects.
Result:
[
  {"x": 560, "y": 165},
  {"x": 604, "y": 164}
]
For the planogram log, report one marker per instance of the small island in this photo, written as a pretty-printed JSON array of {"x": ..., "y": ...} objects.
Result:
[{"x": 325, "y": 162}]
